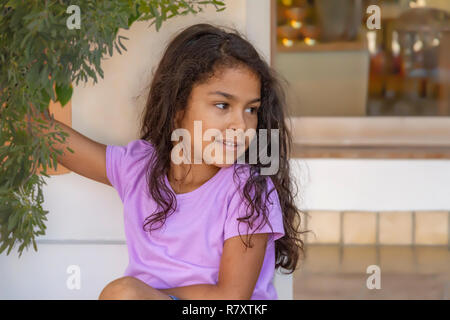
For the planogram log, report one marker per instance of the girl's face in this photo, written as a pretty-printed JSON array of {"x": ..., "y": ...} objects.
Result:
[{"x": 229, "y": 103}]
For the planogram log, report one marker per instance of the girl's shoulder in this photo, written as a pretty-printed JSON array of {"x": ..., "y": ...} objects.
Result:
[
  {"x": 125, "y": 163},
  {"x": 139, "y": 146},
  {"x": 135, "y": 150}
]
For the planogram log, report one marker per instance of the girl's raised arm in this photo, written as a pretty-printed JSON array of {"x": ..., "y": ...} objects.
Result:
[{"x": 89, "y": 157}]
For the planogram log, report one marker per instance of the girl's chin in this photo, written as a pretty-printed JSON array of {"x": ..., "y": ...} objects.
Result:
[
  {"x": 228, "y": 158},
  {"x": 223, "y": 165}
]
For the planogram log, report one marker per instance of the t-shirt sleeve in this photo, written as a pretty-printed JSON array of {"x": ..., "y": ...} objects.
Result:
[
  {"x": 123, "y": 163},
  {"x": 237, "y": 209}
]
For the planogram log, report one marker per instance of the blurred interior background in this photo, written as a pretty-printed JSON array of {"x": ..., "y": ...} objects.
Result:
[
  {"x": 345, "y": 68},
  {"x": 369, "y": 103}
]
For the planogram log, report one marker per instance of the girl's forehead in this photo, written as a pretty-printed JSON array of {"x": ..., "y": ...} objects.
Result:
[
  {"x": 231, "y": 81},
  {"x": 228, "y": 74}
]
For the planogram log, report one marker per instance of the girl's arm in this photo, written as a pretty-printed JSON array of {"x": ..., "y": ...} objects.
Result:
[
  {"x": 238, "y": 274},
  {"x": 89, "y": 157},
  {"x": 196, "y": 292}
]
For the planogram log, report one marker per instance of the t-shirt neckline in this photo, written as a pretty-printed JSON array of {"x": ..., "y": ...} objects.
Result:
[{"x": 193, "y": 193}]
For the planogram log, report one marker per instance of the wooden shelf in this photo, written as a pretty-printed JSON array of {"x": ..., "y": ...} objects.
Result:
[{"x": 324, "y": 47}]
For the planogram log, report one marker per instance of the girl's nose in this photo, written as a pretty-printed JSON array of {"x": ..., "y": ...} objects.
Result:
[{"x": 237, "y": 121}]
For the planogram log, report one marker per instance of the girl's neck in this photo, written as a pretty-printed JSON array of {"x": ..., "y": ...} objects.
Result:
[{"x": 187, "y": 177}]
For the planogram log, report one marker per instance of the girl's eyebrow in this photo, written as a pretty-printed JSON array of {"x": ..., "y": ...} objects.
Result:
[{"x": 230, "y": 96}]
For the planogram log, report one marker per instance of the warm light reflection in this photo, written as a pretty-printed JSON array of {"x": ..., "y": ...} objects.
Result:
[
  {"x": 287, "y": 42},
  {"x": 418, "y": 3},
  {"x": 296, "y": 24},
  {"x": 309, "y": 41},
  {"x": 372, "y": 42},
  {"x": 418, "y": 45},
  {"x": 395, "y": 44}
]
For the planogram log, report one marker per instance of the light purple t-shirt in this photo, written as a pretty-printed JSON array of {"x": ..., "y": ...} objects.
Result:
[{"x": 187, "y": 249}]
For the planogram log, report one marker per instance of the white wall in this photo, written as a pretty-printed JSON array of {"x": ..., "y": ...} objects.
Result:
[{"x": 373, "y": 184}]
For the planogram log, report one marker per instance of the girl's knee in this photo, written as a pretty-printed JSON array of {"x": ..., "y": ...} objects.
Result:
[{"x": 120, "y": 289}]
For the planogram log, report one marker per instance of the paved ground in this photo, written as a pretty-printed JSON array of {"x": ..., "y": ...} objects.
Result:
[{"x": 335, "y": 272}]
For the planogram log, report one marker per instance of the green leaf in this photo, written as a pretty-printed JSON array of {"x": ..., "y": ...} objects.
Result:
[
  {"x": 63, "y": 93},
  {"x": 55, "y": 162},
  {"x": 45, "y": 99},
  {"x": 12, "y": 221}
]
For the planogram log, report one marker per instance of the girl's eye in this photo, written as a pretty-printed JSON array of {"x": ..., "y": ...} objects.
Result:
[
  {"x": 224, "y": 104},
  {"x": 253, "y": 110}
]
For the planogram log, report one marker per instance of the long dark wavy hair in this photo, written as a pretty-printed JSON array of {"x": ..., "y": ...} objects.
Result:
[{"x": 193, "y": 56}]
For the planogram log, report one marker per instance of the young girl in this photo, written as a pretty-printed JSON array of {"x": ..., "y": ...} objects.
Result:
[{"x": 184, "y": 222}]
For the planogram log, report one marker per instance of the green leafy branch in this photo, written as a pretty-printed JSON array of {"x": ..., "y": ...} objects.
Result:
[{"x": 40, "y": 59}]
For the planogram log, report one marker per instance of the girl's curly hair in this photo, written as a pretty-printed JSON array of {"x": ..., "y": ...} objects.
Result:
[{"x": 193, "y": 56}]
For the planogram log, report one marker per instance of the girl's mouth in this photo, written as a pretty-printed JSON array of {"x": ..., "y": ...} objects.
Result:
[{"x": 229, "y": 145}]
